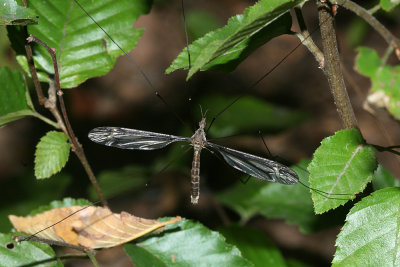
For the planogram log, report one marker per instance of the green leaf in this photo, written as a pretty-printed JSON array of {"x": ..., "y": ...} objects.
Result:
[
  {"x": 15, "y": 102},
  {"x": 343, "y": 164},
  {"x": 246, "y": 115},
  {"x": 51, "y": 154},
  {"x": 226, "y": 47},
  {"x": 273, "y": 200},
  {"x": 66, "y": 202},
  {"x": 357, "y": 32},
  {"x": 385, "y": 81},
  {"x": 383, "y": 178},
  {"x": 26, "y": 253},
  {"x": 83, "y": 49},
  {"x": 12, "y": 14},
  {"x": 368, "y": 61},
  {"x": 388, "y": 5},
  {"x": 370, "y": 236},
  {"x": 120, "y": 181},
  {"x": 200, "y": 22},
  {"x": 21, "y": 195},
  {"x": 254, "y": 246},
  {"x": 185, "y": 243}
]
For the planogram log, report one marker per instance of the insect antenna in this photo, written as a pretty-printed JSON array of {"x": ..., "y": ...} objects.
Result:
[
  {"x": 137, "y": 66},
  {"x": 28, "y": 238},
  {"x": 186, "y": 34},
  {"x": 267, "y": 73}
]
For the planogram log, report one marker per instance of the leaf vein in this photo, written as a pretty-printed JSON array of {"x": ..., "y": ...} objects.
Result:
[{"x": 345, "y": 168}]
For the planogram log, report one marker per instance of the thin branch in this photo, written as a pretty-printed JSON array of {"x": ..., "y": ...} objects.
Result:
[
  {"x": 35, "y": 78},
  {"x": 51, "y": 104},
  {"x": 386, "y": 149},
  {"x": 374, "y": 9},
  {"x": 76, "y": 146},
  {"x": 332, "y": 67},
  {"x": 306, "y": 39},
  {"x": 371, "y": 20}
]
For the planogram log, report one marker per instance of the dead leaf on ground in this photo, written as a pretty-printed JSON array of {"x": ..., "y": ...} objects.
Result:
[{"x": 90, "y": 227}]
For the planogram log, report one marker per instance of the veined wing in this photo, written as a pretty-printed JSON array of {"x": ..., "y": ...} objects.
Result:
[
  {"x": 132, "y": 139},
  {"x": 258, "y": 167}
]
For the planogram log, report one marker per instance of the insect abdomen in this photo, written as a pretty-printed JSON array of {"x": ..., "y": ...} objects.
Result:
[{"x": 195, "y": 176}]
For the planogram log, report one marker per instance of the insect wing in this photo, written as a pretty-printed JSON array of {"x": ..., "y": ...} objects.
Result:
[
  {"x": 132, "y": 139},
  {"x": 258, "y": 167}
]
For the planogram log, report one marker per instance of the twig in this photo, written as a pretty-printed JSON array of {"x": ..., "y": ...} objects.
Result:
[
  {"x": 387, "y": 149},
  {"x": 38, "y": 88},
  {"x": 371, "y": 20},
  {"x": 306, "y": 39},
  {"x": 76, "y": 146},
  {"x": 332, "y": 67},
  {"x": 51, "y": 104}
]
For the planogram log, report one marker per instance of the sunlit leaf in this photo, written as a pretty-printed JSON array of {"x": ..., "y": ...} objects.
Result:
[
  {"x": 83, "y": 49},
  {"x": 26, "y": 253},
  {"x": 15, "y": 102},
  {"x": 87, "y": 226},
  {"x": 388, "y": 5},
  {"x": 385, "y": 80},
  {"x": 51, "y": 154},
  {"x": 370, "y": 236},
  {"x": 12, "y": 14},
  {"x": 343, "y": 164},
  {"x": 226, "y": 47},
  {"x": 185, "y": 243},
  {"x": 254, "y": 246}
]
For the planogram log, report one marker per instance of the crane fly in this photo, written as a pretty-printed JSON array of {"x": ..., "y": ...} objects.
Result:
[{"x": 261, "y": 168}]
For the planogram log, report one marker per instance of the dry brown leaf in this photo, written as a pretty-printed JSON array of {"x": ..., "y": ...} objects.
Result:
[{"x": 90, "y": 227}]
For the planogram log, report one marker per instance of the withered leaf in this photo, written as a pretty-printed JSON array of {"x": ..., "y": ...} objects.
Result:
[{"x": 90, "y": 227}]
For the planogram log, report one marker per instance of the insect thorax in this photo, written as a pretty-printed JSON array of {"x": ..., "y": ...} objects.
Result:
[{"x": 199, "y": 137}]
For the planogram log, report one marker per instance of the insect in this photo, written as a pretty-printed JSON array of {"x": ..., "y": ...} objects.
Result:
[{"x": 252, "y": 165}]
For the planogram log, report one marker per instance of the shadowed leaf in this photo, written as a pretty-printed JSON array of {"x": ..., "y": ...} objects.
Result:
[{"x": 15, "y": 102}]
